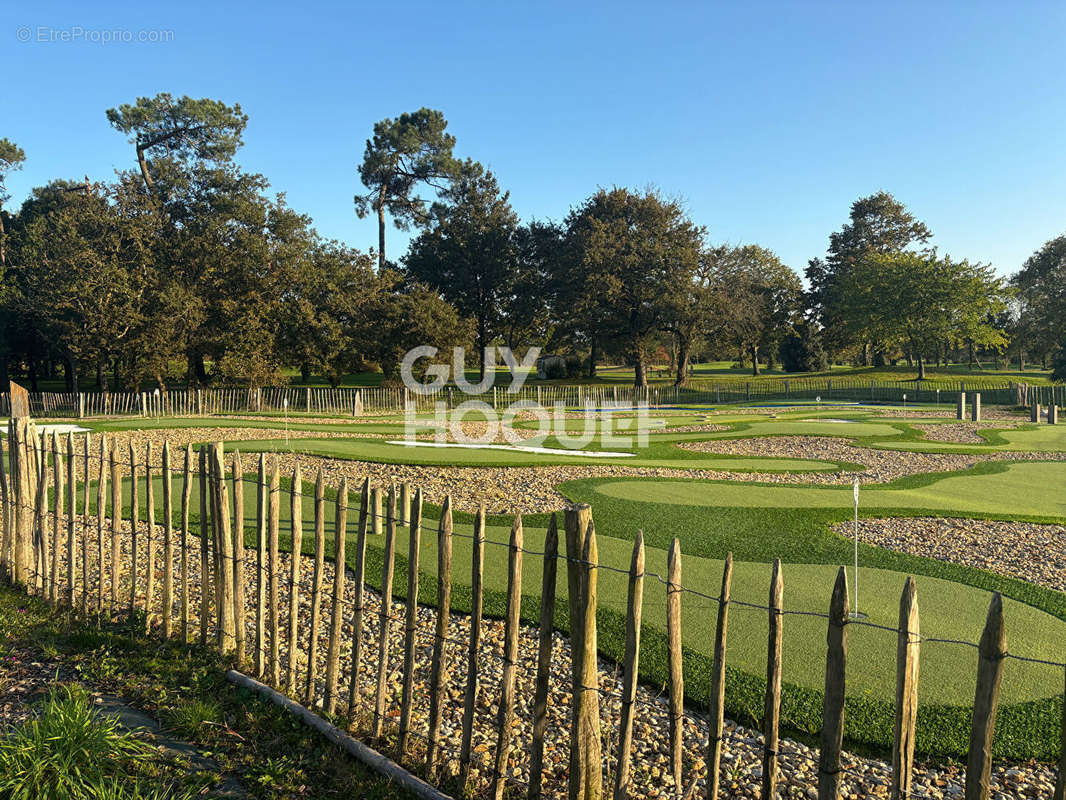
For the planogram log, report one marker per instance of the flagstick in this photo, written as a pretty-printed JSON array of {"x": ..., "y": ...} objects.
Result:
[{"x": 855, "y": 613}]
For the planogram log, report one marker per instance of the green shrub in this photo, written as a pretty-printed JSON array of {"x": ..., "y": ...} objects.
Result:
[{"x": 69, "y": 752}]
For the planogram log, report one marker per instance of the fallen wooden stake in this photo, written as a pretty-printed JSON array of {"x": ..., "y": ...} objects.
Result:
[{"x": 368, "y": 755}]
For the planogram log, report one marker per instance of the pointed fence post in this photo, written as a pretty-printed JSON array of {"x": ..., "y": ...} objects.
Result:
[
  {"x": 297, "y": 530},
  {"x": 546, "y": 638},
  {"x": 907, "y": 652},
  {"x": 273, "y": 568},
  {"x": 168, "y": 543},
  {"x": 505, "y": 720},
  {"x": 333, "y": 653},
  {"x": 227, "y": 635},
  {"x": 316, "y": 588},
  {"x": 634, "y": 611},
  {"x": 261, "y": 493},
  {"x": 833, "y": 711},
  {"x": 438, "y": 674},
  {"x": 72, "y": 512},
  {"x": 205, "y": 552},
  {"x": 677, "y": 676},
  {"x": 410, "y": 633},
  {"x": 388, "y": 565},
  {"x": 477, "y": 563},
  {"x": 717, "y": 699},
  {"x": 149, "y": 494},
  {"x": 992, "y": 650},
  {"x": 186, "y": 507},
  {"x": 358, "y": 581},
  {"x": 116, "y": 528},
  {"x": 772, "y": 702},
  {"x": 239, "y": 610}
]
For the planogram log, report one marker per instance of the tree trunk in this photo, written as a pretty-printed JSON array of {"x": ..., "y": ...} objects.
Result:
[
  {"x": 640, "y": 374},
  {"x": 921, "y": 367},
  {"x": 143, "y": 164},
  {"x": 33, "y": 374},
  {"x": 482, "y": 335},
  {"x": 684, "y": 354},
  {"x": 381, "y": 230},
  {"x": 592, "y": 356},
  {"x": 866, "y": 354},
  {"x": 755, "y": 359},
  {"x": 3, "y": 240}
]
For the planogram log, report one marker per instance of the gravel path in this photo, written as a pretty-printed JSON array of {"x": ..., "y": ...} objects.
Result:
[
  {"x": 1026, "y": 550},
  {"x": 865, "y": 777},
  {"x": 964, "y": 432}
]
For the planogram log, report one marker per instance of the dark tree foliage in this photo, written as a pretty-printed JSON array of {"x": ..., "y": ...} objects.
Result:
[
  {"x": 802, "y": 351},
  {"x": 404, "y": 154}
]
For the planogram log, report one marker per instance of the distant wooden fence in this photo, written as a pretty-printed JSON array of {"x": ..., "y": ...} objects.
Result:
[
  {"x": 375, "y": 400},
  {"x": 54, "y": 547}
]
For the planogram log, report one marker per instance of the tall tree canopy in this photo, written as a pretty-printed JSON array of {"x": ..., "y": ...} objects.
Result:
[
  {"x": 878, "y": 225},
  {"x": 632, "y": 252},
  {"x": 405, "y": 153},
  {"x": 469, "y": 255},
  {"x": 11, "y": 158},
  {"x": 1041, "y": 286},
  {"x": 932, "y": 299},
  {"x": 764, "y": 298},
  {"x": 168, "y": 132}
]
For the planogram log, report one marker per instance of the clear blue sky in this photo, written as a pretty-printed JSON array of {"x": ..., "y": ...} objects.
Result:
[{"x": 769, "y": 119}]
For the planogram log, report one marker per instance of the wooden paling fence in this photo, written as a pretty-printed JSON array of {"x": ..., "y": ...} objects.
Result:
[
  {"x": 82, "y": 548},
  {"x": 377, "y": 400}
]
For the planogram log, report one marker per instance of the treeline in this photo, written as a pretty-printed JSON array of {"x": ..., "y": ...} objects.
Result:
[{"x": 187, "y": 268}]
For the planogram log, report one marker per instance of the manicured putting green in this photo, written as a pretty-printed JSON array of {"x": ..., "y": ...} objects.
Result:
[
  {"x": 1016, "y": 489},
  {"x": 663, "y": 456}
]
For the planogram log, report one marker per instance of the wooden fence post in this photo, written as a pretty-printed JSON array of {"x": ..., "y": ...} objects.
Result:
[
  {"x": 135, "y": 502},
  {"x": 116, "y": 527},
  {"x": 60, "y": 495},
  {"x": 72, "y": 512},
  {"x": 992, "y": 650},
  {"x": 149, "y": 494},
  {"x": 358, "y": 580},
  {"x": 634, "y": 609},
  {"x": 505, "y": 720},
  {"x": 772, "y": 704},
  {"x": 101, "y": 510},
  {"x": 385, "y": 614},
  {"x": 316, "y": 587},
  {"x": 227, "y": 635},
  {"x": 333, "y": 654},
  {"x": 438, "y": 673},
  {"x": 297, "y": 527},
  {"x": 261, "y": 492},
  {"x": 186, "y": 507},
  {"x": 414, "y": 548},
  {"x": 168, "y": 543},
  {"x": 477, "y": 565},
  {"x": 206, "y": 587},
  {"x": 239, "y": 610},
  {"x": 833, "y": 711},
  {"x": 717, "y": 700},
  {"x": 907, "y": 651},
  {"x": 677, "y": 680},
  {"x": 545, "y": 640},
  {"x": 273, "y": 523},
  {"x": 586, "y": 776}
]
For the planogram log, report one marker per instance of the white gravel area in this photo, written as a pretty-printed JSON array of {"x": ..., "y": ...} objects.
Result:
[{"x": 1035, "y": 553}]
